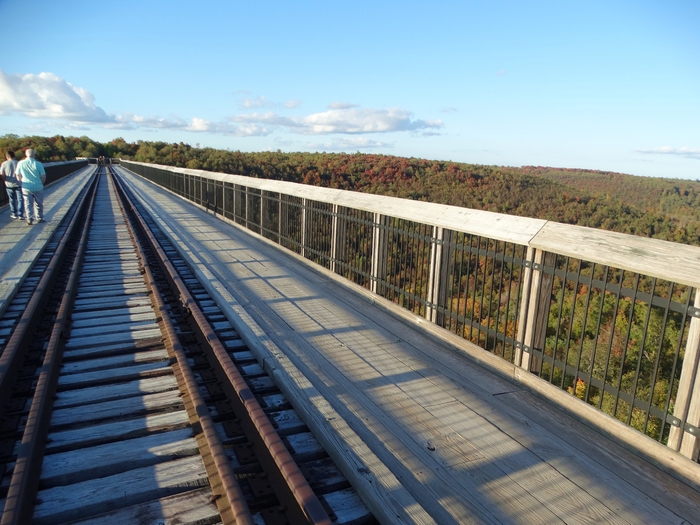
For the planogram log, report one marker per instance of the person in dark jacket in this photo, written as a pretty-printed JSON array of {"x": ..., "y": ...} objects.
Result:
[{"x": 8, "y": 170}]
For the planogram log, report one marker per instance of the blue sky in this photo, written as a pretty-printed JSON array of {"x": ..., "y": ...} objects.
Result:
[{"x": 610, "y": 85}]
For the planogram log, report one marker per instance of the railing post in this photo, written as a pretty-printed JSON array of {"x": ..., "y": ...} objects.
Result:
[
  {"x": 433, "y": 275},
  {"x": 263, "y": 212},
  {"x": 235, "y": 202},
  {"x": 437, "y": 278},
  {"x": 303, "y": 227},
  {"x": 380, "y": 237},
  {"x": 532, "y": 325},
  {"x": 281, "y": 223},
  {"x": 687, "y": 407},
  {"x": 338, "y": 238}
]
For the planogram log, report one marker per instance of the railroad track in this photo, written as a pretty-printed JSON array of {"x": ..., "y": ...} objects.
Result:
[{"x": 127, "y": 397}]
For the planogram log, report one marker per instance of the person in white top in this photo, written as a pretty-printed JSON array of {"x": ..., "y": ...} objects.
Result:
[{"x": 32, "y": 176}]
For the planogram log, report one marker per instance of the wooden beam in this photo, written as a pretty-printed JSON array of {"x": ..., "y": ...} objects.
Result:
[
  {"x": 687, "y": 406},
  {"x": 338, "y": 238},
  {"x": 433, "y": 280},
  {"x": 304, "y": 216},
  {"x": 671, "y": 261},
  {"x": 380, "y": 237}
]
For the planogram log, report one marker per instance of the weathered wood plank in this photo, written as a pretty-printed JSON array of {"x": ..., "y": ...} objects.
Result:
[
  {"x": 112, "y": 289},
  {"x": 100, "y": 393},
  {"x": 672, "y": 261},
  {"x": 89, "y": 365},
  {"x": 190, "y": 508},
  {"x": 96, "y": 340},
  {"x": 123, "y": 347},
  {"x": 80, "y": 500},
  {"x": 346, "y": 505},
  {"x": 127, "y": 373},
  {"x": 130, "y": 406},
  {"x": 109, "y": 304},
  {"x": 105, "y": 317},
  {"x": 111, "y": 432},
  {"x": 105, "y": 460}
]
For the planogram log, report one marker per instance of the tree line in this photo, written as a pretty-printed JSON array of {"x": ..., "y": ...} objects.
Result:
[{"x": 650, "y": 207}]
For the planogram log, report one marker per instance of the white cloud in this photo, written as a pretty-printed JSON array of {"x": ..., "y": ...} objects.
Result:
[
  {"x": 685, "y": 151},
  {"x": 269, "y": 118},
  {"x": 364, "y": 120},
  {"x": 345, "y": 121},
  {"x": 48, "y": 96},
  {"x": 194, "y": 125}
]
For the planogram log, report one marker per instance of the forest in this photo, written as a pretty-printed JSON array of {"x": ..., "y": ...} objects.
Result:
[
  {"x": 650, "y": 207},
  {"x": 609, "y": 337}
]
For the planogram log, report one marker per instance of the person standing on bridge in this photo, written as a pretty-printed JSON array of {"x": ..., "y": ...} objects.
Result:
[
  {"x": 14, "y": 190},
  {"x": 32, "y": 176}
]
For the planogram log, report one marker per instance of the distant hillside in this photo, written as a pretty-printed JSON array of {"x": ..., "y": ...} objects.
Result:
[
  {"x": 514, "y": 191},
  {"x": 676, "y": 198},
  {"x": 657, "y": 208}
]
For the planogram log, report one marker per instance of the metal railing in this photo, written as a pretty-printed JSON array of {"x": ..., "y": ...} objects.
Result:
[{"x": 612, "y": 319}]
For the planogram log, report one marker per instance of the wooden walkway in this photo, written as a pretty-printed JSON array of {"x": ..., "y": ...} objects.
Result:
[
  {"x": 428, "y": 435},
  {"x": 424, "y": 433}
]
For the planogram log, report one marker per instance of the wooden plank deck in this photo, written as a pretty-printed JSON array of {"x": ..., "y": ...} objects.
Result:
[{"x": 425, "y": 434}]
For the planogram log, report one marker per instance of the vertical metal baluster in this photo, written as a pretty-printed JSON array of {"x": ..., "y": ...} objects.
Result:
[
  {"x": 641, "y": 350},
  {"x": 472, "y": 294},
  {"x": 457, "y": 279},
  {"x": 627, "y": 340},
  {"x": 497, "y": 341},
  {"x": 490, "y": 301},
  {"x": 483, "y": 286},
  {"x": 618, "y": 294},
  {"x": 655, "y": 369},
  {"x": 571, "y": 322},
  {"x": 597, "y": 332},
  {"x": 669, "y": 395},
  {"x": 584, "y": 325}
]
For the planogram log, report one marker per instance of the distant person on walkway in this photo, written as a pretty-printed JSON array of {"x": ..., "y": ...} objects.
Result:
[
  {"x": 8, "y": 170},
  {"x": 32, "y": 176}
]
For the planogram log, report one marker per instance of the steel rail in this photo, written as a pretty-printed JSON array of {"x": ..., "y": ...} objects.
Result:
[
  {"x": 239, "y": 512},
  {"x": 16, "y": 346},
  {"x": 302, "y": 493},
  {"x": 25, "y": 476}
]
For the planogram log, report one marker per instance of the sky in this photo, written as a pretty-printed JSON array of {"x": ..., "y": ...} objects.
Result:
[{"x": 610, "y": 85}]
